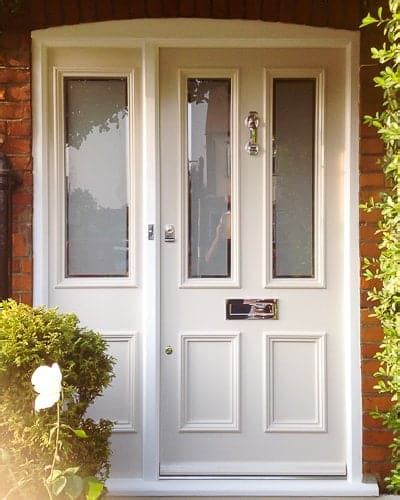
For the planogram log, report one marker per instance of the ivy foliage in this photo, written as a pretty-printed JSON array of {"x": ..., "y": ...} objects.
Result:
[
  {"x": 31, "y": 337},
  {"x": 386, "y": 268}
]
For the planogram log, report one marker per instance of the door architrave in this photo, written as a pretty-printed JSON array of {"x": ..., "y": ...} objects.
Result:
[{"x": 150, "y": 36}]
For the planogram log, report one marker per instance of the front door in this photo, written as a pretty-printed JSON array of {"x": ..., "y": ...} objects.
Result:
[{"x": 252, "y": 350}]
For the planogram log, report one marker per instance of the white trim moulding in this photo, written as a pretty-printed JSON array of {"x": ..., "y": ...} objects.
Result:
[
  {"x": 151, "y": 35},
  {"x": 319, "y": 423},
  {"x": 318, "y": 281},
  {"x": 231, "y": 424},
  {"x": 129, "y": 338}
]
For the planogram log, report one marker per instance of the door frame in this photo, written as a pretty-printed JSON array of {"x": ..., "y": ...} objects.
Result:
[{"x": 150, "y": 36}]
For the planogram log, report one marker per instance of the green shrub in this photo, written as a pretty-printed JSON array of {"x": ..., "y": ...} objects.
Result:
[
  {"x": 30, "y": 337},
  {"x": 386, "y": 268}
]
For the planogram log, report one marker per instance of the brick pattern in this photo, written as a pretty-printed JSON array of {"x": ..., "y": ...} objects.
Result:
[
  {"x": 15, "y": 142},
  {"x": 376, "y": 455},
  {"x": 43, "y": 13},
  {"x": 15, "y": 134}
]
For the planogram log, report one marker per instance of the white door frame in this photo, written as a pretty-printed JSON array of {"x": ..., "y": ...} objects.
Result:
[{"x": 151, "y": 35}]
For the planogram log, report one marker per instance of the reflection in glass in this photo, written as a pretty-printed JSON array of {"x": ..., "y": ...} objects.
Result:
[
  {"x": 293, "y": 178},
  {"x": 96, "y": 125},
  {"x": 209, "y": 177}
]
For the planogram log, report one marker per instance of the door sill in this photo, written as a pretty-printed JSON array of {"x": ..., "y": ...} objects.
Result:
[
  {"x": 241, "y": 487},
  {"x": 262, "y": 470}
]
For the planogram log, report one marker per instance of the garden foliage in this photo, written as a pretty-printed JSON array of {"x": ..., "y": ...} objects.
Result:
[
  {"x": 386, "y": 268},
  {"x": 31, "y": 337}
]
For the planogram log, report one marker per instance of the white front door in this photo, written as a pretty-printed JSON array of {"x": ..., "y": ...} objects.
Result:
[
  {"x": 94, "y": 218},
  {"x": 252, "y": 252},
  {"x": 252, "y": 396}
]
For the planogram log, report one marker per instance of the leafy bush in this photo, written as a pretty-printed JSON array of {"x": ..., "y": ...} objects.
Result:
[
  {"x": 30, "y": 337},
  {"x": 386, "y": 268}
]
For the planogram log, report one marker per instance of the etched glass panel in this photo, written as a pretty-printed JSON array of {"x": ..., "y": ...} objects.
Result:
[
  {"x": 209, "y": 177},
  {"x": 96, "y": 162},
  {"x": 293, "y": 178}
]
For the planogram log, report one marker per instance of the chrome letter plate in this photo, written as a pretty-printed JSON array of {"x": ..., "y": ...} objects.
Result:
[{"x": 251, "y": 308}]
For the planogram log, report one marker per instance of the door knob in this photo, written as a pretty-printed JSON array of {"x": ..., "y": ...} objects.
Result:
[{"x": 168, "y": 350}]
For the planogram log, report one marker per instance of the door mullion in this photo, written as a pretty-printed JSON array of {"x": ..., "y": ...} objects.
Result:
[{"x": 151, "y": 261}]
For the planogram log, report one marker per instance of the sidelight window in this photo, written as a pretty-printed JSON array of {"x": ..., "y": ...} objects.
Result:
[{"x": 96, "y": 177}]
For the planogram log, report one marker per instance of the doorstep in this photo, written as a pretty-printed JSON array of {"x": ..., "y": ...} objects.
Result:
[
  {"x": 381, "y": 497},
  {"x": 237, "y": 488}
]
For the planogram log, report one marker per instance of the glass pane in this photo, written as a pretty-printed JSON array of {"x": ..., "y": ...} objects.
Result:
[
  {"x": 96, "y": 159},
  {"x": 209, "y": 177},
  {"x": 293, "y": 178}
]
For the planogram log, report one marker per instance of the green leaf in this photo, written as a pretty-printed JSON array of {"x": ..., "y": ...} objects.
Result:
[
  {"x": 54, "y": 475},
  {"x": 94, "y": 488},
  {"x": 80, "y": 433},
  {"x": 74, "y": 486},
  {"x": 58, "y": 485},
  {"x": 368, "y": 19},
  {"x": 71, "y": 470}
]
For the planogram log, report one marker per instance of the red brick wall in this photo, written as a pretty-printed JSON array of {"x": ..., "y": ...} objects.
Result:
[
  {"x": 15, "y": 133},
  {"x": 15, "y": 142},
  {"x": 375, "y": 439}
]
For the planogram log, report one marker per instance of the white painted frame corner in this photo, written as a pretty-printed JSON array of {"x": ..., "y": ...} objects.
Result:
[
  {"x": 58, "y": 173},
  {"x": 318, "y": 281},
  {"x": 184, "y": 281},
  {"x": 270, "y": 424}
]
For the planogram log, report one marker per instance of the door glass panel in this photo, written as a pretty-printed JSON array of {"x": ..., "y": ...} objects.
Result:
[
  {"x": 209, "y": 177},
  {"x": 96, "y": 177},
  {"x": 293, "y": 178}
]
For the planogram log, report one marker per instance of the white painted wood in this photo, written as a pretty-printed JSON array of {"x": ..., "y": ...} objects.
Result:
[
  {"x": 305, "y": 377},
  {"x": 351, "y": 269},
  {"x": 234, "y": 280},
  {"x": 194, "y": 33},
  {"x": 381, "y": 497},
  {"x": 40, "y": 173},
  {"x": 243, "y": 487},
  {"x": 102, "y": 304},
  {"x": 151, "y": 263},
  {"x": 209, "y": 382},
  {"x": 254, "y": 469},
  {"x": 152, "y": 34},
  {"x": 122, "y": 347},
  {"x": 59, "y": 74},
  {"x": 291, "y": 437},
  {"x": 318, "y": 281}
]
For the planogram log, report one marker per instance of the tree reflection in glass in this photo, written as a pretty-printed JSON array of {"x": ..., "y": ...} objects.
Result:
[{"x": 96, "y": 159}]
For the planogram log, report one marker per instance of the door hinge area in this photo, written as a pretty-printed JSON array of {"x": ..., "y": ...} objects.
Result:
[{"x": 150, "y": 231}]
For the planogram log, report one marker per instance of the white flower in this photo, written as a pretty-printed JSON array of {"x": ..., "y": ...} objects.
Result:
[{"x": 46, "y": 381}]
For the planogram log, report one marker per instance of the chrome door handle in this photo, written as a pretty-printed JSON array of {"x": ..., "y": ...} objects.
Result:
[{"x": 169, "y": 233}]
